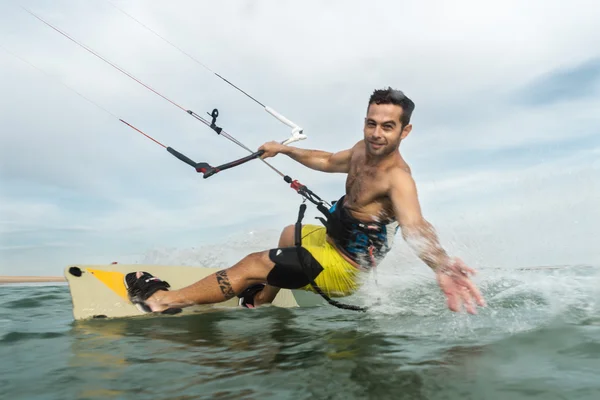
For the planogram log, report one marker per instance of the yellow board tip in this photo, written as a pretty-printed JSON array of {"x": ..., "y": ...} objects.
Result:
[{"x": 112, "y": 279}]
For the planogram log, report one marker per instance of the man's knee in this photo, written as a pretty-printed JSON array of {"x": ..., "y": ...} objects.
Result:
[
  {"x": 287, "y": 238},
  {"x": 259, "y": 258},
  {"x": 256, "y": 265}
]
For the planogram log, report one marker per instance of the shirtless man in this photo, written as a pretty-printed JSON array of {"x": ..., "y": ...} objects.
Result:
[{"x": 381, "y": 198}]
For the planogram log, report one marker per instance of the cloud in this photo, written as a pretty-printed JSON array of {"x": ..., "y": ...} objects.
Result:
[{"x": 574, "y": 83}]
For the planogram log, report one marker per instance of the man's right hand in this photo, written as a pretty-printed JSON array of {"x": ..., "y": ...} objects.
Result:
[{"x": 271, "y": 149}]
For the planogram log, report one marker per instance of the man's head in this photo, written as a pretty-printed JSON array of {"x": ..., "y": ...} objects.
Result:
[{"x": 387, "y": 121}]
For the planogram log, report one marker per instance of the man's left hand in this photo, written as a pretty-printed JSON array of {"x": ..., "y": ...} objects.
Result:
[{"x": 454, "y": 281}]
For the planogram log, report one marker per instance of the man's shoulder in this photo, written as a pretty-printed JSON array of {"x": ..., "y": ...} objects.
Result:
[
  {"x": 358, "y": 145},
  {"x": 356, "y": 151},
  {"x": 400, "y": 176}
]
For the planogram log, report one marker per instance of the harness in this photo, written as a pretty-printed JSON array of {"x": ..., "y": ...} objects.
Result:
[
  {"x": 335, "y": 225},
  {"x": 298, "y": 245}
]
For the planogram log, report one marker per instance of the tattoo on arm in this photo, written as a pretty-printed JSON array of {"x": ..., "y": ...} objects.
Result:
[{"x": 225, "y": 285}]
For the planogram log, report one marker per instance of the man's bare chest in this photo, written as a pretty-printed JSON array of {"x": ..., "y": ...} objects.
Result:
[{"x": 364, "y": 186}]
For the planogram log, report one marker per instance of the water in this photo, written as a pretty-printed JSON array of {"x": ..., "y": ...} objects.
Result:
[{"x": 539, "y": 338}]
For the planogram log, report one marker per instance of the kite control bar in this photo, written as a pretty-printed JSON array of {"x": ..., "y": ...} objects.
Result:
[{"x": 206, "y": 169}]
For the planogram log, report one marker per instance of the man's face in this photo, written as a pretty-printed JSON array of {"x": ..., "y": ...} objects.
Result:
[{"x": 383, "y": 131}]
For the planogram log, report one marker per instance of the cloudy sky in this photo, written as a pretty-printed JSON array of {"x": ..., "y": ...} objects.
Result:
[{"x": 504, "y": 149}]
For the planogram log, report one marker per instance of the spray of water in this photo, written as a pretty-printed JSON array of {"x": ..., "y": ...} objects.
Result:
[{"x": 403, "y": 295}]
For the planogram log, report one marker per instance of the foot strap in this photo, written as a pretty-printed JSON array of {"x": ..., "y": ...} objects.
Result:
[
  {"x": 247, "y": 296},
  {"x": 141, "y": 289}
]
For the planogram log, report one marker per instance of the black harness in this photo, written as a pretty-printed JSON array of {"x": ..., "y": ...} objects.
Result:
[{"x": 331, "y": 224}]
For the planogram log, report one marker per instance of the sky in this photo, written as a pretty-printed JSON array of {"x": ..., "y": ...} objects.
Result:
[{"x": 504, "y": 147}]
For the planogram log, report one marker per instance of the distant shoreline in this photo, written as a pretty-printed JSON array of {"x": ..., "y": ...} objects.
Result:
[{"x": 30, "y": 279}]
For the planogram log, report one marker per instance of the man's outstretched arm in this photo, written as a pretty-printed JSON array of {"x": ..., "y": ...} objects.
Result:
[
  {"x": 452, "y": 274},
  {"x": 315, "y": 159},
  {"x": 416, "y": 230}
]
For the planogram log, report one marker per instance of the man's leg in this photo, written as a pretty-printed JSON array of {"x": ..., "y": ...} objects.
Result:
[
  {"x": 217, "y": 287},
  {"x": 267, "y": 295}
]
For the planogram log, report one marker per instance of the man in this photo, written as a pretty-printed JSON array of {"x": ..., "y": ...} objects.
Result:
[{"x": 381, "y": 197}]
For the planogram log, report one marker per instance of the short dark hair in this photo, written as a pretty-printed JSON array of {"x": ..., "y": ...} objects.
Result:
[{"x": 397, "y": 97}]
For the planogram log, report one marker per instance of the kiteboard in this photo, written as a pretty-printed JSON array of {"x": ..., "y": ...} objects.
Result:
[{"x": 98, "y": 291}]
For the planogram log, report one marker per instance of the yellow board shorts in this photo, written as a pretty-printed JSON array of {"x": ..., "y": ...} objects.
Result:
[{"x": 339, "y": 278}]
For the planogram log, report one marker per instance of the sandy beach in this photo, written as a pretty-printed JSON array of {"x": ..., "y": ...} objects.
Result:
[{"x": 30, "y": 279}]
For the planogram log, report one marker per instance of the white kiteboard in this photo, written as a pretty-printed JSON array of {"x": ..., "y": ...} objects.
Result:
[{"x": 98, "y": 291}]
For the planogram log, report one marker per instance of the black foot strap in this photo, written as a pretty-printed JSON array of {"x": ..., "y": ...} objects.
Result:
[
  {"x": 141, "y": 289},
  {"x": 247, "y": 296}
]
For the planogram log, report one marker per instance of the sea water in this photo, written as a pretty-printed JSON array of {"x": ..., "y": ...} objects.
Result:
[{"x": 538, "y": 338}]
